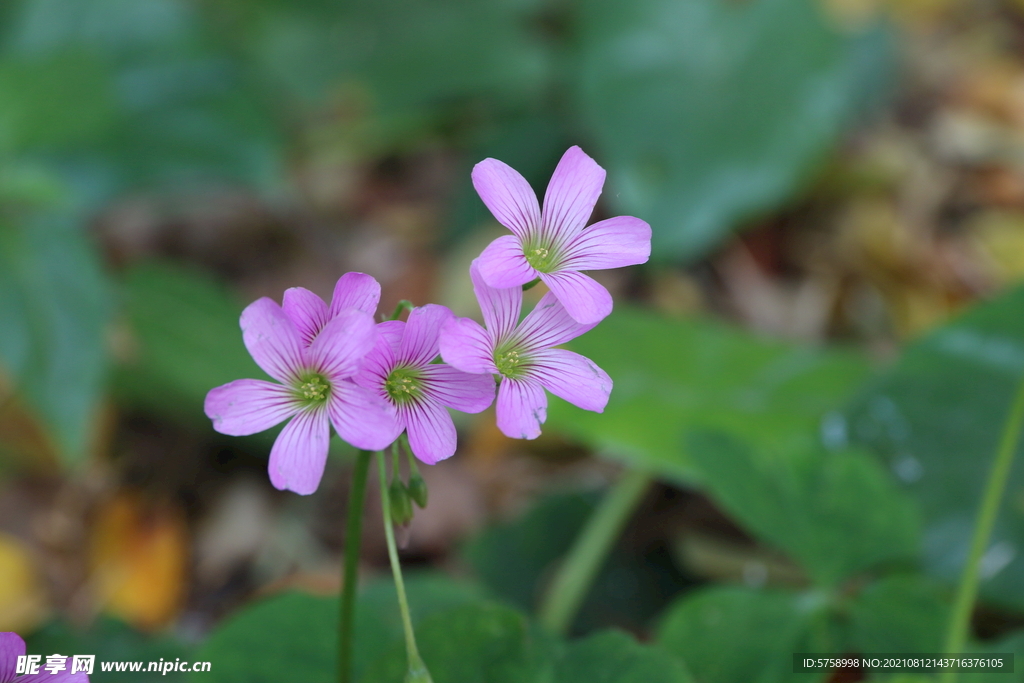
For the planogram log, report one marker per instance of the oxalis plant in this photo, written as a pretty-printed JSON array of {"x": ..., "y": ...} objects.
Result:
[{"x": 386, "y": 387}]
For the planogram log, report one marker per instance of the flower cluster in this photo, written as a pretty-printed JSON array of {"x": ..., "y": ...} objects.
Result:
[{"x": 372, "y": 382}]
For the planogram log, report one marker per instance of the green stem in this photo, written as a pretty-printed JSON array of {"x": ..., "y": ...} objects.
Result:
[
  {"x": 353, "y": 539},
  {"x": 403, "y": 305},
  {"x": 531, "y": 284},
  {"x": 417, "y": 670},
  {"x": 579, "y": 568},
  {"x": 987, "y": 513}
]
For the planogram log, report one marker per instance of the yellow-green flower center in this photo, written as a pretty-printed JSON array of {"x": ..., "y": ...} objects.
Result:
[
  {"x": 403, "y": 385},
  {"x": 540, "y": 256},
  {"x": 313, "y": 389},
  {"x": 508, "y": 362}
]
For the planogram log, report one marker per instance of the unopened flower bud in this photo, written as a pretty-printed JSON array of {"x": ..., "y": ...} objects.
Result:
[
  {"x": 418, "y": 490},
  {"x": 401, "y": 506}
]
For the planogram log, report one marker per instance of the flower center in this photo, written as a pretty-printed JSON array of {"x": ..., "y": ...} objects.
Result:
[
  {"x": 403, "y": 385},
  {"x": 540, "y": 257},
  {"x": 508, "y": 363},
  {"x": 313, "y": 389}
]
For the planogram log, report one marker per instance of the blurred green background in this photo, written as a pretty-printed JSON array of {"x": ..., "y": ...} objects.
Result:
[{"x": 814, "y": 366}]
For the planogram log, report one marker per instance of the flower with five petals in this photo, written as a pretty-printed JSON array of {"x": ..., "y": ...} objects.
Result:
[
  {"x": 401, "y": 369},
  {"x": 523, "y": 357},
  {"x": 312, "y": 353},
  {"x": 553, "y": 244}
]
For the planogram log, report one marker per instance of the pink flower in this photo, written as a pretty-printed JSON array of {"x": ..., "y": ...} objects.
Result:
[
  {"x": 401, "y": 370},
  {"x": 12, "y": 647},
  {"x": 552, "y": 244},
  {"x": 522, "y": 355},
  {"x": 312, "y": 350}
]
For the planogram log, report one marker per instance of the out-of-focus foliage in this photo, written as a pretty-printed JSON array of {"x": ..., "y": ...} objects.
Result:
[
  {"x": 54, "y": 304},
  {"x": 935, "y": 419},
  {"x": 803, "y": 502},
  {"x": 672, "y": 377},
  {"x": 514, "y": 561},
  {"x": 305, "y": 630},
  {"x": 139, "y": 558},
  {"x": 710, "y": 111},
  {"x": 706, "y": 630},
  {"x": 22, "y": 598},
  {"x": 112, "y": 640},
  {"x": 181, "y": 340}
]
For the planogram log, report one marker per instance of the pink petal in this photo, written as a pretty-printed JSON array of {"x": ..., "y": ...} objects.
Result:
[
  {"x": 613, "y": 243},
  {"x": 340, "y": 347},
  {"x": 431, "y": 431},
  {"x": 500, "y": 307},
  {"x": 355, "y": 290},
  {"x": 467, "y": 346},
  {"x": 585, "y": 300},
  {"x": 571, "y": 195},
  {"x": 547, "y": 325},
  {"x": 11, "y": 647},
  {"x": 381, "y": 360},
  {"x": 503, "y": 265},
  {"x": 298, "y": 457},
  {"x": 522, "y": 408},
  {"x": 44, "y": 675},
  {"x": 419, "y": 343},
  {"x": 272, "y": 340},
  {"x": 465, "y": 392},
  {"x": 306, "y": 310},
  {"x": 362, "y": 417},
  {"x": 508, "y": 196},
  {"x": 248, "y": 406},
  {"x": 572, "y": 377}
]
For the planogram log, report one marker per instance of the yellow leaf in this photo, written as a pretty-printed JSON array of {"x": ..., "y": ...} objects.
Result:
[
  {"x": 138, "y": 559},
  {"x": 23, "y": 603}
]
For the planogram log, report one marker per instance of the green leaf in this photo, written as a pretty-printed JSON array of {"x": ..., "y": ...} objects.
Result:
[
  {"x": 294, "y": 636},
  {"x": 512, "y": 558},
  {"x": 119, "y": 94},
  {"x": 183, "y": 340},
  {"x": 905, "y": 613},
  {"x": 673, "y": 376},
  {"x": 401, "y": 58},
  {"x": 290, "y": 637},
  {"x": 54, "y": 304},
  {"x": 476, "y": 642},
  {"x": 741, "y": 635},
  {"x": 379, "y": 622},
  {"x": 935, "y": 419},
  {"x": 111, "y": 641},
  {"x": 614, "y": 657},
  {"x": 515, "y": 561},
  {"x": 836, "y": 513},
  {"x": 708, "y": 111}
]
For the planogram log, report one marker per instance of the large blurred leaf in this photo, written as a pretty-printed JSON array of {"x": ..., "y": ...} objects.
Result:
[
  {"x": 741, "y": 635},
  {"x": 614, "y": 657},
  {"x": 902, "y": 613},
  {"x": 477, "y": 642},
  {"x": 54, "y": 308},
  {"x": 400, "y": 57},
  {"x": 294, "y": 636},
  {"x": 935, "y": 420},
  {"x": 184, "y": 340},
  {"x": 675, "y": 376},
  {"x": 111, "y": 641},
  {"x": 708, "y": 110},
  {"x": 515, "y": 561},
  {"x": 837, "y": 513},
  {"x": 155, "y": 99}
]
